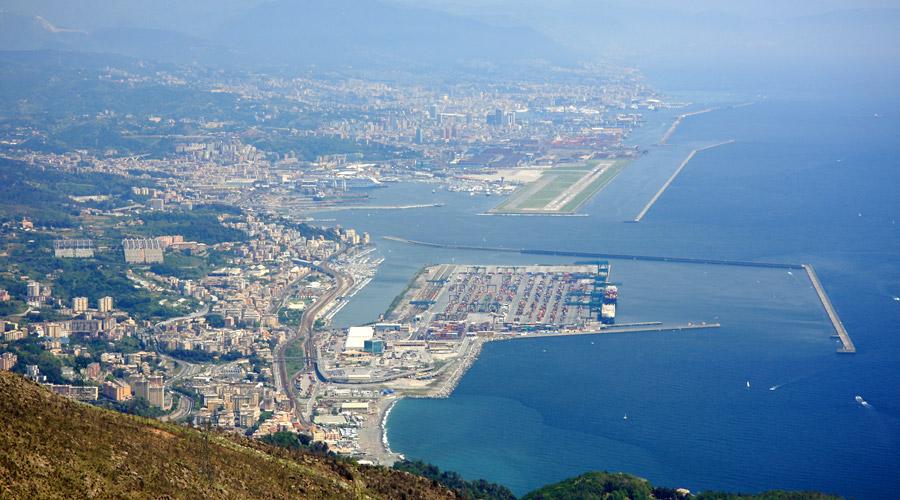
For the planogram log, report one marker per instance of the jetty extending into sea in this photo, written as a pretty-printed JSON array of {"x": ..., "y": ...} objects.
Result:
[{"x": 665, "y": 138}]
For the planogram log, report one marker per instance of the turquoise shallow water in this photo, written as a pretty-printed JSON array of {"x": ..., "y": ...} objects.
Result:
[{"x": 807, "y": 181}]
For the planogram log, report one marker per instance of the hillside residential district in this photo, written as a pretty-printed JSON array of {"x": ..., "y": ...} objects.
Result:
[{"x": 194, "y": 283}]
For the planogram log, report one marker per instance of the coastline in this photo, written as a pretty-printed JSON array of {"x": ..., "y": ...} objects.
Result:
[
  {"x": 384, "y": 437},
  {"x": 444, "y": 388},
  {"x": 379, "y": 449},
  {"x": 373, "y": 441},
  {"x": 374, "y": 207}
]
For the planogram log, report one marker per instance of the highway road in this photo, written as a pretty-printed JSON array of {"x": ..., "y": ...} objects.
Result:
[
  {"x": 185, "y": 403},
  {"x": 343, "y": 283},
  {"x": 185, "y": 406},
  {"x": 196, "y": 314}
]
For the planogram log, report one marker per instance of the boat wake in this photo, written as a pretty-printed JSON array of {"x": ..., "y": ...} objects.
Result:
[{"x": 795, "y": 380}]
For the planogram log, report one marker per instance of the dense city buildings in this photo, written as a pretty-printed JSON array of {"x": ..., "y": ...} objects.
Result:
[
  {"x": 8, "y": 361},
  {"x": 191, "y": 284},
  {"x": 79, "y": 248},
  {"x": 142, "y": 251}
]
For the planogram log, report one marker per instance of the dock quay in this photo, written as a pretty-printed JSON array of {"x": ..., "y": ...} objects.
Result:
[
  {"x": 640, "y": 323},
  {"x": 847, "y": 346},
  {"x": 649, "y": 328},
  {"x": 333, "y": 208},
  {"x": 671, "y": 179}
]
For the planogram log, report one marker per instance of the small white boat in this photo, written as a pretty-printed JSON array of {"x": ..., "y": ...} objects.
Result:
[
  {"x": 748, "y": 384},
  {"x": 625, "y": 417}
]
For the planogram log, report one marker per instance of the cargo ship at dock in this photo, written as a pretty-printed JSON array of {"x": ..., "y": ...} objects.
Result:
[{"x": 608, "y": 307}]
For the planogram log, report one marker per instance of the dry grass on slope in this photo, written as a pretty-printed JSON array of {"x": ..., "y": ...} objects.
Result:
[{"x": 53, "y": 447}]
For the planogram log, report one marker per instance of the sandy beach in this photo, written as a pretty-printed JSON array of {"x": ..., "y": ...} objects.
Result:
[
  {"x": 373, "y": 440},
  {"x": 372, "y": 434}
]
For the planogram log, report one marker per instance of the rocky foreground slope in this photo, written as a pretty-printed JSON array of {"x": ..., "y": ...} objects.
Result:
[{"x": 53, "y": 447}]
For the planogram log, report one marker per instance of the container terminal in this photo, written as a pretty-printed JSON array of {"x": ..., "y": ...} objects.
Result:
[{"x": 455, "y": 300}]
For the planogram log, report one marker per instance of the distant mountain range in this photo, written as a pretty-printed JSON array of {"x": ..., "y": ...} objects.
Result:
[
  {"x": 683, "y": 44},
  {"x": 333, "y": 34},
  {"x": 365, "y": 32}
]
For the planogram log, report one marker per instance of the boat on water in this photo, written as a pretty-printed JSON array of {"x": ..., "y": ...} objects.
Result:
[
  {"x": 625, "y": 417},
  {"x": 861, "y": 401},
  {"x": 748, "y": 384}
]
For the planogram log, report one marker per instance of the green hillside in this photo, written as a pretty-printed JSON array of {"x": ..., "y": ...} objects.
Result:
[
  {"x": 57, "y": 448},
  {"x": 608, "y": 486}
]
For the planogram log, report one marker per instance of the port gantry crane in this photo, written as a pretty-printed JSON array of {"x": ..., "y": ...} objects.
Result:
[{"x": 596, "y": 295}]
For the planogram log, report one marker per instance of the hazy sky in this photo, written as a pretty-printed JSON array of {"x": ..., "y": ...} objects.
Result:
[
  {"x": 748, "y": 8},
  {"x": 803, "y": 30},
  {"x": 750, "y": 38}
]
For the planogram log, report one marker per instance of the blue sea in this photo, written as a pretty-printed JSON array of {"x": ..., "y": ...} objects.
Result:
[{"x": 809, "y": 179}]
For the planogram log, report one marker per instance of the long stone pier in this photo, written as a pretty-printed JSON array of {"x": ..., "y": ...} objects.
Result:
[
  {"x": 847, "y": 346},
  {"x": 677, "y": 122}
]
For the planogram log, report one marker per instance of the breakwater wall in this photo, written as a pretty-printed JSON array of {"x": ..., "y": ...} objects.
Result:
[
  {"x": 598, "y": 255},
  {"x": 847, "y": 346},
  {"x": 665, "y": 138}
]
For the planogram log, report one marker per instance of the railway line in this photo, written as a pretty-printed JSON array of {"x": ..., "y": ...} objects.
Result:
[{"x": 305, "y": 330}]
